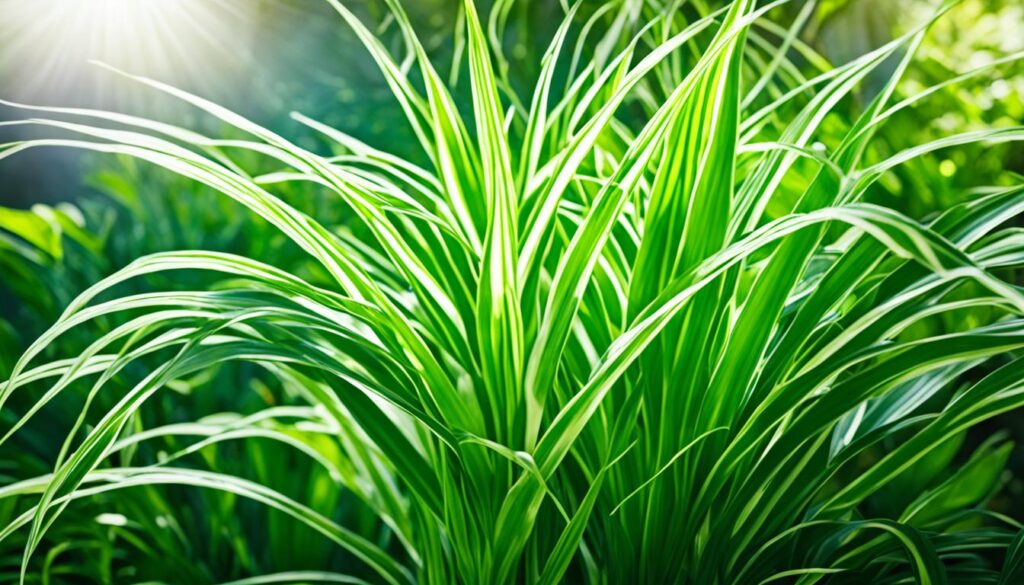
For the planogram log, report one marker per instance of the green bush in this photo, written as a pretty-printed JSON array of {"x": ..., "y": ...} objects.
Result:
[{"x": 640, "y": 324}]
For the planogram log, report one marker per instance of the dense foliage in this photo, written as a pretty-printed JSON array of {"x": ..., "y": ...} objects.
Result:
[{"x": 654, "y": 318}]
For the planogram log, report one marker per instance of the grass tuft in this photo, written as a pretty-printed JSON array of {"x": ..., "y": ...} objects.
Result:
[{"x": 644, "y": 322}]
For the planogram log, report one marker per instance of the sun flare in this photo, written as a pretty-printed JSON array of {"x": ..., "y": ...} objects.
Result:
[{"x": 45, "y": 46}]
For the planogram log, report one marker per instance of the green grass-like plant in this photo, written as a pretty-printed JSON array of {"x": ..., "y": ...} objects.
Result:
[{"x": 571, "y": 344}]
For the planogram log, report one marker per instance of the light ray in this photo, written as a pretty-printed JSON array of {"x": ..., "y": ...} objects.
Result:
[{"x": 45, "y": 45}]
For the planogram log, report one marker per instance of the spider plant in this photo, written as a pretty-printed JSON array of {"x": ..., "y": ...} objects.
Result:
[
  {"x": 571, "y": 344},
  {"x": 51, "y": 255}
]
